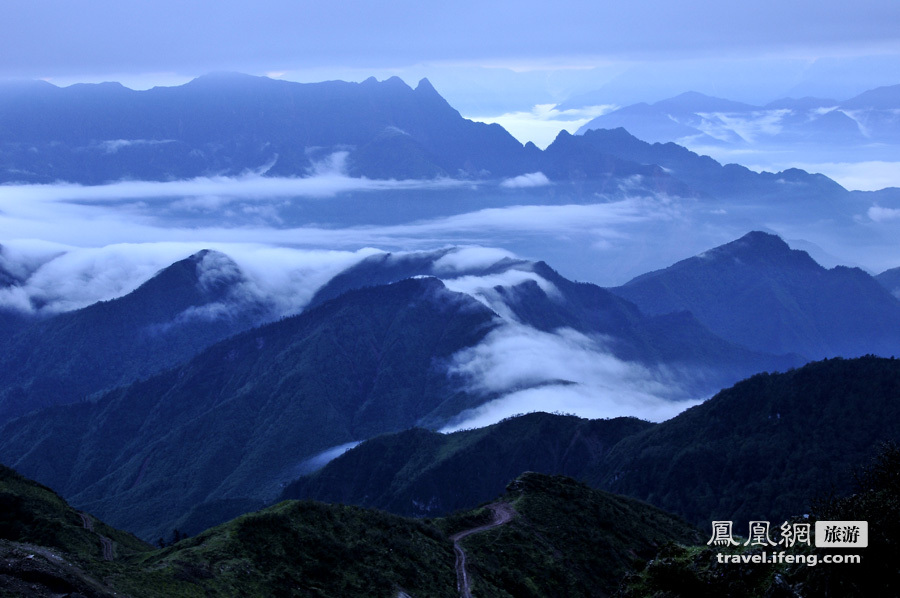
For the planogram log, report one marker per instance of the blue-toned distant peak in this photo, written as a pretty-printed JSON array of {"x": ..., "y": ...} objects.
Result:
[
  {"x": 425, "y": 86},
  {"x": 760, "y": 293},
  {"x": 755, "y": 249},
  {"x": 890, "y": 279},
  {"x": 698, "y": 102},
  {"x": 880, "y": 98},
  {"x": 801, "y": 104},
  {"x": 759, "y": 245}
]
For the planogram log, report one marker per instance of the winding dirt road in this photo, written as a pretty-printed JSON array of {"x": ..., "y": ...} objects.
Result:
[
  {"x": 502, "y": 513},
  {"x": 106, "y": 544}
]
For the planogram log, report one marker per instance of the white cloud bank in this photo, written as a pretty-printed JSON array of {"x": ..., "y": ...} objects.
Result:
[
  {"x": 564, "y": 371},
  {"x": 880, "y": 214},
  {"x": 325, "y": 183},
  {"x": 533, "y": 179},
  {"x": 542, "y": 124},
  {"x": 73, "y": 277}
]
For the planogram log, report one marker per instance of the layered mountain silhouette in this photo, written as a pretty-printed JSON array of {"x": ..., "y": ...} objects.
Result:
[
  {"x": 758, "y": 292},
  {"x": 217, "y": 435},
  {"x": 235, "y": 421},
  {"x": 379, "y": 350},
  {"x": 708, "y": 177},
  {"x": 539, "y": 297}
]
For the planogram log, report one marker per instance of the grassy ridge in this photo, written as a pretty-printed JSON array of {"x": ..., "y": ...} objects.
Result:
[{"x": 567, "y": 540}]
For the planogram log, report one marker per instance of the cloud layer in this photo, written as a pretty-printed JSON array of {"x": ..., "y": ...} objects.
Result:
[
  {"x": 563, "y": 371},
  {"x": 57, "y": 278}
]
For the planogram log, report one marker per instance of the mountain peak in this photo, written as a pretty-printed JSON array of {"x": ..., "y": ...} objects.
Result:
[
  {"x": 758, "y": 239},
  {"x": 425, "y": 86},
  {"x": 758, "y": 247},
  {"x": 207, "y": 271},
  {"x": 395, "y": 81},
  {"x": 695, "y": 101}
]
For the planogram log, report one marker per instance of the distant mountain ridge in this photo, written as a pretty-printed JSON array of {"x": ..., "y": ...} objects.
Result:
[
  {"x": 759, "y": 293},
  {"x": 713, "y": 179},
  {"x": 229, "y": 124},
  {"x": 890, "y": 279},
  {"x": 704, "y": 120}
]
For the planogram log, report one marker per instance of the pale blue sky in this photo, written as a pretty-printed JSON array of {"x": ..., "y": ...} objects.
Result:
[
  {"x": 64, "y": 39},
  {"x": 500, "y": 61}
]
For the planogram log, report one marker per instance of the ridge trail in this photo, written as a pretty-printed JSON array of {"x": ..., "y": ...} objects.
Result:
[
  {"x": 502, "y": 513},
  {"x": 106, "y": 544}
]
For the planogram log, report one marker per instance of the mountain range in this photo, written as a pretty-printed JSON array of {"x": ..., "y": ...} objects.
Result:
[
  {"x": 427, "y": 339},
  {"x": 72, "y": 355},
  {"x": 231, "y": 124},
  {"x": 212, "y": 383},
  {"x": 866, "y": 122},
  {"x": 367, "y": 361},
  {"x": 228, "y": 123}
]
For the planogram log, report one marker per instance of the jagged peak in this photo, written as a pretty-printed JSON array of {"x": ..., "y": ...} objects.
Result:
[
  {"x": 425, "y": 86},
  {"x": 396, "y": 81}
]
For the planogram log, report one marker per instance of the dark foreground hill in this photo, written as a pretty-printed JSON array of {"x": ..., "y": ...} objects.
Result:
[
  {"x": 759, "y": 450},
  {"x": 680, "y": 571},
  {"x": 564, "y": 540}
]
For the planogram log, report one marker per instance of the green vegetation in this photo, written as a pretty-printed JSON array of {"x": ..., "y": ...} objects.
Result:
[
  {"x": 301, "y": 549},
  {"x": 565, "y": 540},
  {"x": 759, "y": 450}
]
